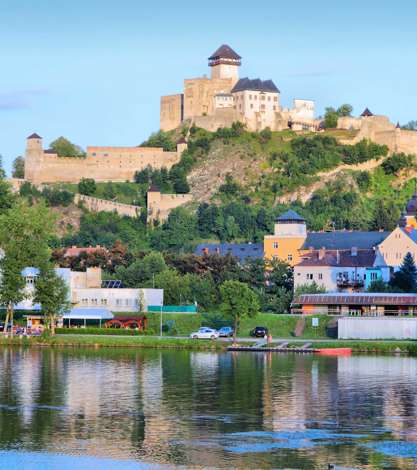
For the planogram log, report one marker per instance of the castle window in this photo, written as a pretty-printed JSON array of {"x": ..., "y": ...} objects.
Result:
[
  {"x": 250, "y": 97},
  {"x": 251, "y": 106},
  {"x": 256, "y": 97},
  {"x": 262, "y": 106},
  {"x": 269, "y": 98},
  {"x": 94, "y": 154},
  {"x": 263, "y": 97},
  {"x": 289, "y": 257},
  {"x": 274, "y": 108},
  {"x": 320, "y": 276},
  {"x": 275, "y": 245},
  {"x": 275, "y": 98}
]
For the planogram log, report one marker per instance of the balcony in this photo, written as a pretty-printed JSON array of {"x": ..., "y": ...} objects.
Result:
[{"x": 345, "y": 281}]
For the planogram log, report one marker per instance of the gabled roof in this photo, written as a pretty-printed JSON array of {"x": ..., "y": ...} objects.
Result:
[
  {"x": 291, "y": 216},
  {"x": 411, "y": 232},
  {"x": 242, "y": 251},
  {"x": 343, "y": 240},
  {"x": 366, "y": 113},
  {"x": 356, "y": 298},
  {"x": 34, "y": 136},
  {"x": 339, "y": 258},
  {"x": 224, "y": 52},
  {"x": 255, "y": 84}
]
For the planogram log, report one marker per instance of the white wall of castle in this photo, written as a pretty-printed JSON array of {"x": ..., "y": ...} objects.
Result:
[
  {"x": 257, "y": 109},
  {"x": 100, "y": 164}
]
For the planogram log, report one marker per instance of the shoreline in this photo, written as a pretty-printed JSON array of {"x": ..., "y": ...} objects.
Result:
[{"x": 151, "y": 342}]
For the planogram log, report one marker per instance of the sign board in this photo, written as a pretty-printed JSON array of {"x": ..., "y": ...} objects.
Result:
[{"x": 315, "y": 322}]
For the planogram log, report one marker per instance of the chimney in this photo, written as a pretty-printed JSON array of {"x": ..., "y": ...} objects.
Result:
[
  {"x": 354, "y": 251},
  {"x": 322, "y": 252}
]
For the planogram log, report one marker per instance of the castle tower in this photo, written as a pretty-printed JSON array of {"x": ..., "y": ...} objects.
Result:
[
  {"x": 153, "y": 203},
  {"x": 33, "y": 155},
  {"x": 225, "y": 63},
  {"x": 181, "y": 145}
]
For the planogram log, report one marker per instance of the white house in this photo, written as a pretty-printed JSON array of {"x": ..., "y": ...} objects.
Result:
[{"x": 340, "y": 270}]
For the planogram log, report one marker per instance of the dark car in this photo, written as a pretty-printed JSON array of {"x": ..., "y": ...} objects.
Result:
[{"x": 259, "y": 332}]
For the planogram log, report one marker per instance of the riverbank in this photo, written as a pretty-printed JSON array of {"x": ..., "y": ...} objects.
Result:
[{"x": 154, "y": 342}]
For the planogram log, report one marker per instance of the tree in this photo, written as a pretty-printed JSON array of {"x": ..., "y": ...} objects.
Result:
[
  {"x": 330, "y": 118},
  {"x": 51, "y": 292},
  {"x": 24, "y": 236},
  {"x": 312, "y": 288},
  {"x": 344, "y": 110},
  {"x": 142, "y": 271},
  {"x": 18, "y": 170},
  {"x": 238, "y": 301},
  {"x": 64, "y": 148},
  {"x": 380, "y": 286},
  {"x": 87, "y": 186},
  {"x": 109, "y": 192},
  {"x": 405, "y": 278},
  {"x": 160, "y": 139},
  {"x": 176, "y": 289}
]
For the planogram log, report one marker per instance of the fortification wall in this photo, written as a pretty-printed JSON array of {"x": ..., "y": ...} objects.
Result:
[
  {"x": 95, "y": 204},
  {"x": 224, "y": 117},
  {"x": 172, "y": 111},
  {"x": 160, "y": 205},
  {"x": 407, "y": 142},
  {"x": 101, "y": 164}
]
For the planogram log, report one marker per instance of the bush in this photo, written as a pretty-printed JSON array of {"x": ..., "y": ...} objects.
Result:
[
  {"x": 397, "y": 162},
  {"x": 57, "y": 197},
  {"x": 103, "y": 331},
  {"x": 87, "y": 186}
]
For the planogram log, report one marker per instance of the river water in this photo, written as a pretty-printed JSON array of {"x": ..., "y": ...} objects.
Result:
[{"x": 100, "y": 409}]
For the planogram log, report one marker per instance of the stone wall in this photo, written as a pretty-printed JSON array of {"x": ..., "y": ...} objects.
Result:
[
  {"x": 95, "y": 204},
  {"x": 172, "y": 111},
  {"x": 224, "y": 117},
  {"x": 101, "y": 164},
  {"x": 160, "y": 205}
]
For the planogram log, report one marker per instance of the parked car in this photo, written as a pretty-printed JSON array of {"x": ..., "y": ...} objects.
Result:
[
  {"x": 205, "y": 333},
  {"x": 259, "y": 332},
  {"x": 226, "y": 331}
]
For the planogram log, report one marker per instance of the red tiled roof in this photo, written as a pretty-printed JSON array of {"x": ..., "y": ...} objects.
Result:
[{"x": 77, "y": 250}]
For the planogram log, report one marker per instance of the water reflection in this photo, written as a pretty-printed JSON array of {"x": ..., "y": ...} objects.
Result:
[{"x": 221, "y": 410}]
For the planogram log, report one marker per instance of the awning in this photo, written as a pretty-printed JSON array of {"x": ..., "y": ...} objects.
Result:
[{"x": 80, "y": 313}]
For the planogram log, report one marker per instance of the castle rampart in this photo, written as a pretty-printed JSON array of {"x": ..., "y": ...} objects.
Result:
[
  {"x": 100, "y": 163},
  {"x": 95, "y": 204}
]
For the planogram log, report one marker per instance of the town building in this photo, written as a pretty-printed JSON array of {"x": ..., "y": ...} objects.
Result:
[
  {"x": 224, "y": 98},
  {"x": 291, "y": 240},
  {"x": 88, "y": 289},
  {"x": 242, "y": 251},
  {"x": 340, "y": 270}
]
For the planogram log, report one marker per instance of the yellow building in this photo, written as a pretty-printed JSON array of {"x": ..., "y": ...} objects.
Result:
[{"x": 290, "y": 233}]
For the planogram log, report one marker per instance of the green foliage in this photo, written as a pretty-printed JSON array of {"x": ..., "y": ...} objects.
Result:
[
  {"x": 52, "y": 293},
  {"x": 87, "y": 186},
  {"x": 405, "y": 279},
  {"x": 161, "y": 139},
  {"x": 332, "y": 115},
  {"x": 238, "y": 301},
  {"x": 142, "y": 271},
  {"x": 64, "y": 148},
  {"x": 18, "y": 169},
  {"x": 312, "y": 288},
  {"x": 176, "y": 232},
  {"x": 380, "y": 286},
  {"x": 57, "y": 197},
  {"x": 397, "y": 162}
]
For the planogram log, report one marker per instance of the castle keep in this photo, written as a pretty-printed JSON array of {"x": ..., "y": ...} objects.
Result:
[
  {"x": 225, "y": 98},
  {"x": 100, "y": 163}
]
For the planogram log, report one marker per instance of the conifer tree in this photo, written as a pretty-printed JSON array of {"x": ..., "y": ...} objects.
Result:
[{"x": 405, "y": 278}]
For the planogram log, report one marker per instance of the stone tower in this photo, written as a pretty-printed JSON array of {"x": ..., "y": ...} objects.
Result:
[
  {"x": 33, "y": 156},
  {"x": 225, "y": 63}
]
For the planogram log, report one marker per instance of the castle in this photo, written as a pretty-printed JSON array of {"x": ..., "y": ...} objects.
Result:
[
  {"x": 100, "y": 163},
  {"x": 225, "y": 98}
]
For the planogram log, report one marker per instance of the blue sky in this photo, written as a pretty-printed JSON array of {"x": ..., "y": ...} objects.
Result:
[{"x": 94, "y": 70}]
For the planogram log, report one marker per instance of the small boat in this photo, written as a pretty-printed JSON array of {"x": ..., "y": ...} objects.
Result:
[{"x": 334, "y": 351}]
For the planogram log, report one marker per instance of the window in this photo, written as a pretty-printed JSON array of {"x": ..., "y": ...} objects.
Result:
[
  {"x": 119, "y": 302},
  {"x": 103, "y": 301},
  {"x": 309, "y": 276},
  {"x": 255, "y": 97},
  {"x": 275, "y": 245},
  {"x": 251, "y": 106},
  {"x": 94, "y": 301},
  {"x": 263, "y": 107},
  {"x": 374, "y": 276},
  {"x": 274, "y": 107},
  {"x": 263, "y": 97},
  {"x": 320, "y": 276},
  {"x": 269, "y": 98},
  {"x": 289, "y": 257},
  {"x": 275, "y": 98},
  {"x": 250, "y": 97},
  {"x": 84, "y": 301}
]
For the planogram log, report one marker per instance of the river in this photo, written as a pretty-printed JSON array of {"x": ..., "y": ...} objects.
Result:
[{"x": 126, "y": 409}]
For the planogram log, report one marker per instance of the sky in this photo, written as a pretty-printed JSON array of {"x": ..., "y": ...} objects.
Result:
[{"x": 94, "y": 70}]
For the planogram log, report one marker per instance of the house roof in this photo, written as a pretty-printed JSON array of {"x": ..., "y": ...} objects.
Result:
[
  {"x": 366, "y": 113},
  {"x": 356, "y": 298},
  {"x": 77, "y": 250},
  {"x": 343, "y": 240},
  {"x": 242, "y": 251},
  {"x": 34, "y": 136},
  {"x": 340, "y": 258},
  {"x": 88, "y": 313},
  {"x": 255, "y": 84},
  {"x": 224, "y": 52},
  {"x": 411, "y": 232},
  {"x": 290, "y": 216}
]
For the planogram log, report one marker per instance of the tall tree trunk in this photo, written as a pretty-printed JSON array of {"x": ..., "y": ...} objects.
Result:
[
  {"x": 52, "y": 324},
  {"x": 5, "y": 332}
]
